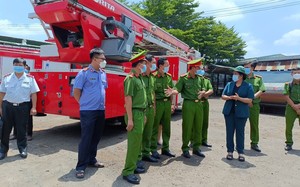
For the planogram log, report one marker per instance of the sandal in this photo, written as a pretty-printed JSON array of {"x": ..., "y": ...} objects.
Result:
[
  {"x": 79, "y": 174},
  {"x": 241, "y": 158},
  {"x": 97, "y": 165},
  {"x": 229, "y": 156}
]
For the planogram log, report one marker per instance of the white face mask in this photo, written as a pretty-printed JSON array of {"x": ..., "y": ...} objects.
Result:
[
  {"x": 296, "y": 76},
  {"x": 103, "y": 64}
]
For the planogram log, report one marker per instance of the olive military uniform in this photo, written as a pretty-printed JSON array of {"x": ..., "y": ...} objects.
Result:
[
  {"x": 146, "y": 143},
  {"x": 163, "y": 111},
  {"x": 258, "y": 85},
  {"x": 293, "y": 90},
  {"x": 206, "y": 87},
  {"x": 135, "y": 87},
  {"x": 192, "y": 110}
]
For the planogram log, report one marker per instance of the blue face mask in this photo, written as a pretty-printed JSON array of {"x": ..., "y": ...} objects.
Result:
[
  {"x": 200, "y": 72},
  {"x": 247, "y": 71},
  {"x": 26, "y": 71},
  {"x": 166, "y": 69},
  {"x": 235, "y": 78},
  {"x": 144, "y": 68},
  {"x": 19, "y": 69},
  {"x": 153, "y": 67}
]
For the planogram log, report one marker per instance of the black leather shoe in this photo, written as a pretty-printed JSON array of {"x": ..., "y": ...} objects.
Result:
[
  {"x": 255, "y": 148},
  {"x": 206, "y": 144},
  {"x": 155, "y": 154},
  {"x": 186, "y": 154},
  {"x": 198, "y": 153},
  {"x": 132, "y": 179},
  {"x": 139, "y": 170},
  {"x": 168, "y": 153},
  {"x": 140, "y": 164},
  {"x": 288, "y": 147},
  {"x": 2, "y": 155},
  {"x": 149, "y": 159},
  {"x": 23, "y": 153}
]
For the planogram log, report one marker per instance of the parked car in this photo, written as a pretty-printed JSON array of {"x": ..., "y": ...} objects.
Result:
[{"x": 274, "y": 83}]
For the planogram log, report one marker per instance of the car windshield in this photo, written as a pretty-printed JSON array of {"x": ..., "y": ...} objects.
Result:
[{"x": 275, "y": 76}]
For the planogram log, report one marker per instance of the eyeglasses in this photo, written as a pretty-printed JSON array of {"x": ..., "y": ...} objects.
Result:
[{"x": 100, "y": 58}]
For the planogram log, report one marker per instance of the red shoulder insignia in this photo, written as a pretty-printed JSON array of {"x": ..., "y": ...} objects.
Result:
[
  {"x": 85, "y": 69},
  {"x": 169, "y": 74},
  {"x": 6, "y": 75},
  {"x": 130, "y": 75},
  {"x": 28, "y": 75},
  {"x": 183, "y": 75}
]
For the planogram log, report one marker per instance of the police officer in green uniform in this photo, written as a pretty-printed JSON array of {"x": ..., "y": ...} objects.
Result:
[
  {"x": 163, "y": 80},
  {"x": 259, "y": 88},
  {"x": 190, "y": 85},
  {"x": 149, "y": 80},
  {"x": 135, "y": 105},
  {"x": 207, "y": 87},
  {"x": 292, "y": 110}
]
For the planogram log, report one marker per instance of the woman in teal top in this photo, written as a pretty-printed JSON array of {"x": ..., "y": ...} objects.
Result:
[{"x": 238, "y": 95}]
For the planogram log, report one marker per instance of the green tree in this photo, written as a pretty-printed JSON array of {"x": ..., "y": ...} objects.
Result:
[{"x": 220, "y": 44}]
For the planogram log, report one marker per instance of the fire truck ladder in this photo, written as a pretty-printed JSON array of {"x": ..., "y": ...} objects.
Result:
[
  {"x": 46, "y": 27},
  {"x": 150, "y": 42}
]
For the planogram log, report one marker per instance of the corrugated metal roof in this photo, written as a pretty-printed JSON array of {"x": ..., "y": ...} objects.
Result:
[
  {"x": 21, "y": 42},
  {"x": 275, "y": 57}
]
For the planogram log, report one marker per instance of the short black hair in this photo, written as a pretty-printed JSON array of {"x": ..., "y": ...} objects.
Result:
[
  {"x": 19, "y": 60},
  {"x": 137, "y": 63},
  {"x": 244, "y": 75},
  {"x": 96, "y": 51},
  {"x": 149, "y": 57},
  {"x": 161, "y": 61}
]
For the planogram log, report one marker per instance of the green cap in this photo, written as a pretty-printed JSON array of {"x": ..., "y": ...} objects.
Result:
[{"x": 239, "y": 69}]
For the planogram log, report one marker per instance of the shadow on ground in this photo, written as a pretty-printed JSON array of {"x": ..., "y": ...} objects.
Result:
[{"x": 67, "y": 137}]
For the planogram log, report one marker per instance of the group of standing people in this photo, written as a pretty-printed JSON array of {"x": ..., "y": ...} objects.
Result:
[{"x": 149, "y": 102}]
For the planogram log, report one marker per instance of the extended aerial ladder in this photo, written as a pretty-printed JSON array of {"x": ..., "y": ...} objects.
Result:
[{"x": 80, "y": 25}]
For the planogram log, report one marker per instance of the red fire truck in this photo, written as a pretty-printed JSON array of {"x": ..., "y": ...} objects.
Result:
[{"x": 80, "y": 25}]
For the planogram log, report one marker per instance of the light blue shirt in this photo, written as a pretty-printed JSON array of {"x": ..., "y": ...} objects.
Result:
[
  {"x": 92, "y": 84},
  {"x": 18, "y": 90}
]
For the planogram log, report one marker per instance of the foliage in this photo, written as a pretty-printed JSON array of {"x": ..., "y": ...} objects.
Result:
[{"x": 220, "y": 44}]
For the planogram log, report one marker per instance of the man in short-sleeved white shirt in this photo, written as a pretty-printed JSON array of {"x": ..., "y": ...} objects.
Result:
[{"x": 15, "y": 92}]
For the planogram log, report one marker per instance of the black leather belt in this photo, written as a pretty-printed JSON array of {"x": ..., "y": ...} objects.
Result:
[{"x": 17, "y": 104}]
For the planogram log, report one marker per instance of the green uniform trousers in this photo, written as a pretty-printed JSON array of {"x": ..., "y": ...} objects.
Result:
[
  {"x": 134, "y": 141},
  {"x": 146, "y": 142},
  {"x": 192, "y": 120},
  {"x": 205, "y": 104},
  {"x": 290, "y": 117},
  {"x": 254, "y": 121},
  {"x": 162, "y": 116}
]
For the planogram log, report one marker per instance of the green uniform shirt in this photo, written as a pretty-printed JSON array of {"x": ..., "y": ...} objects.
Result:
[
  {"x": 149, "y": 82},
  {"x": 206, "y": 86},
  {"x": 293, "y": 90},
  {"x": 135, "y": 87},
  {"x": 258, "y": 85},
  {"x": 162, "y": 83},
  {"x": 189, "y": 87}
]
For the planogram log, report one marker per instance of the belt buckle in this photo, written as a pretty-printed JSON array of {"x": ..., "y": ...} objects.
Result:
[
  {"x": 196, "y": 101},
  {"x": 15, "y": 104},
  {"x": 165, "y": 99}
]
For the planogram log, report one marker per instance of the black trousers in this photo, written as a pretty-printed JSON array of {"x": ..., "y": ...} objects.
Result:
[
  {"x": 14, "y": 116},
  {"x": 29, "y": 124},
  {"x": 92, "y": 125}
]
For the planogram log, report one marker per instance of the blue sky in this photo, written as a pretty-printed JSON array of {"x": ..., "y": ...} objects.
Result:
[{"x": 265, "y": 32}]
